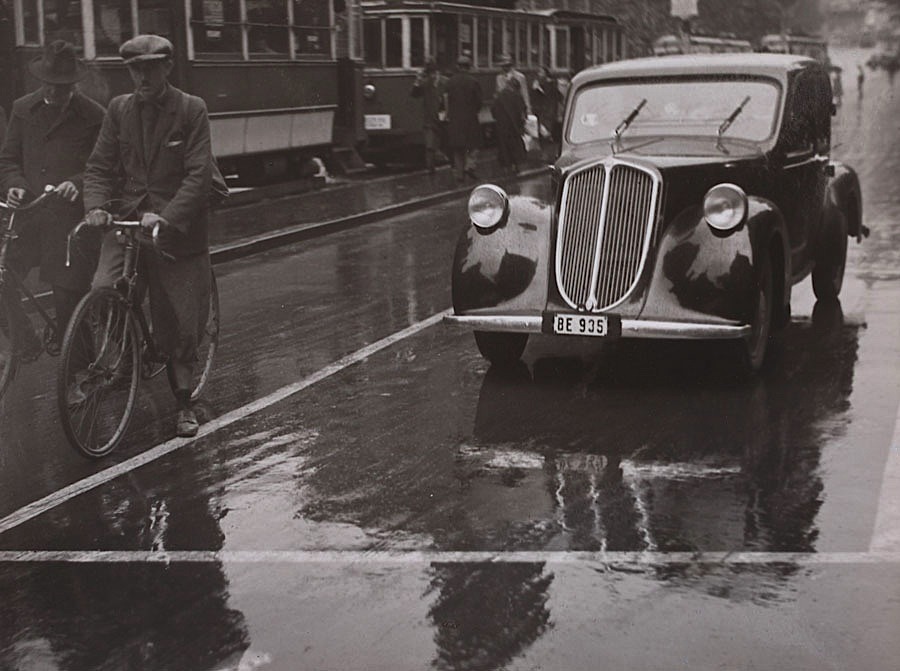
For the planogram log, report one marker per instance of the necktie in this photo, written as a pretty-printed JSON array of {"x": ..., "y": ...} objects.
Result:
[{"x": 149, "y": 114}]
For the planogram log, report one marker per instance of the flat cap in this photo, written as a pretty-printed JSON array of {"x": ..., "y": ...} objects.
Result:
[
  {"x": 146, "y": 48},
  {"x": 464, "y": 61}
]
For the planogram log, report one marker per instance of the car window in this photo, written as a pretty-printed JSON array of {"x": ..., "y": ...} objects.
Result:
[
  {"x": 675, "y": 107},
  {"x": 807, "y": 125}
]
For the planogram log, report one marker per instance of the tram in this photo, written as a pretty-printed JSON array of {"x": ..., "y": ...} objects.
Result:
[
  {"x": 802, "y": 45},
  {"x": 267, "y": 69},
  {"x": 699, "y": 44},
  {"x": 399, "y": 36}
]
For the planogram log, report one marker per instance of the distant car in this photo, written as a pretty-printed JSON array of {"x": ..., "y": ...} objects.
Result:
[{"x": 690, "y": 195}]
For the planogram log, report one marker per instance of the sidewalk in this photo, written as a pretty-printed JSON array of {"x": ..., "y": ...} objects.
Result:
[{"x": 243, "y": 229}]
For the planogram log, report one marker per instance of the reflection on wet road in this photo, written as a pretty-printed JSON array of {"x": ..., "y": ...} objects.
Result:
[{"x": 624, "y": 507}]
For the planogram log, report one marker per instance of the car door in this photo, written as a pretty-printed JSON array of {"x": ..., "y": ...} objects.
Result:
[{"x": 802, "y": 159}]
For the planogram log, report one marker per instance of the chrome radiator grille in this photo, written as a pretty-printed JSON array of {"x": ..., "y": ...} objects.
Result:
[{"x": 606, "y": 222}]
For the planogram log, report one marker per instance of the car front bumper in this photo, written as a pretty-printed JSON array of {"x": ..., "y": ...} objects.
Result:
[{"x": 630, "y": 328}]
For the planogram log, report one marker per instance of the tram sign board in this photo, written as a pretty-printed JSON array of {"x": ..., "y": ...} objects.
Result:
[
  {"x": 377, "y": 121},
  {"x": 684, "y": 9}
]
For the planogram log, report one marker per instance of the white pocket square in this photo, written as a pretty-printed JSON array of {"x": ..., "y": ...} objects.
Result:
[{"x": 174, "y": 143}]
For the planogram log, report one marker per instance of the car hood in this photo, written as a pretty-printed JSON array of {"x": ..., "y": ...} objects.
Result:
[{"x": 664, "y": 151}]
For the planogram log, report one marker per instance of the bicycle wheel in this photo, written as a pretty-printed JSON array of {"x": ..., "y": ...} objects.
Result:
[
  {"x": 99, "y": 373},
  {"x": 209, "y": 341},
  {"x": 8, "y": 361}
]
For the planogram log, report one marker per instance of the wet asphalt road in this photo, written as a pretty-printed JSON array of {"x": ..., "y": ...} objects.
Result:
[{"x": 415, "y": 509}]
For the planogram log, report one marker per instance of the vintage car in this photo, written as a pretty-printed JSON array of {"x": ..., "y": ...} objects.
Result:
[{"x": 691, "y": 193}]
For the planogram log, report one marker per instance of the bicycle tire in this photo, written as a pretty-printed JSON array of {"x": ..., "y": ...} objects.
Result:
[
  {"x": 99, "y": 373},
  {"x": 9, "y": 362},
  {"x": 209, "y": 342}
]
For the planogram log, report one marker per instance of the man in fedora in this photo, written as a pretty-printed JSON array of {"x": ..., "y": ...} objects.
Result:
[
  {"x": 463, "y": 127},
  {"x": 431, "y": 86},
  {"x": 510, "y": 72},
  {"x": 50, "y": 135},
  {"x": 153, "y": 155}
]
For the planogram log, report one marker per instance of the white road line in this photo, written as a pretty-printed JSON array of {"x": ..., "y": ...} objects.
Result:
[
  {"x": 346, "y": 557},
  {"x": 59, "y": 497},
  {"x": 886, "y": 536}
]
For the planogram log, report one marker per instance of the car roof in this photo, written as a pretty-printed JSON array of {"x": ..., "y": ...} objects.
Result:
[{"x": 755, "y": 64}]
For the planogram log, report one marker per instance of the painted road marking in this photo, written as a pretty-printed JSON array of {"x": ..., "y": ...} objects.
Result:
[
  {"x": 886, "y": 536},
  {"x": 60, "y": 496},
  {"x": 347, "y": 557}
]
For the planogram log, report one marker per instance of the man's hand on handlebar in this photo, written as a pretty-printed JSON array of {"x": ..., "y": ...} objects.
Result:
[
  {"x": 67, "y": 190},
  {"x": 165, "y": 236},
  {"x": 15, "y": 196},
  {"x": 98, "y": 218}
]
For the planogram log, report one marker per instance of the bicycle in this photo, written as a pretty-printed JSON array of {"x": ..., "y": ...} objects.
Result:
[
  {"x": 10, "y": 349},
  {"x": 108, "y": 348}
]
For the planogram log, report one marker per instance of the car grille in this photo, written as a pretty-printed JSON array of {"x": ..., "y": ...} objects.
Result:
[{"x": 606, "y": 222}]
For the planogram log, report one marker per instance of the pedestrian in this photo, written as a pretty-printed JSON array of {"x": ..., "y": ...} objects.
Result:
[
  {"x": 509, "y": 72},
  {"x": 837, "y": 86},
  {"x": 463, "y": 127},
  {"x": 153, "y": 155},
  {"x": 546, "y": 102},
  {"x": 50, "y": 135},
  {"x": 509, "y": 113},
  {"x": 431, "y": 87},
  {"x": 860, "y": 80}
]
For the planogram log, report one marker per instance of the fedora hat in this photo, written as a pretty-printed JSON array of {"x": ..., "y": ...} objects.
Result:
[
  {"x": 146, "y": 48},
  {"x": 59, "y": 64}
]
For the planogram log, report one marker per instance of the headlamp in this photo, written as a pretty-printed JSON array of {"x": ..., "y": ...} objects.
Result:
[
  {"x": 725, "y": 207},
  {"x": 488, "y": 206}
]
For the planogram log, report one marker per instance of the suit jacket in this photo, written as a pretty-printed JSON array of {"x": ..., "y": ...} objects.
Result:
[
  {"x": 45, "y": 147},
  {"x": 504, "y": 77},
  {"x": 172, "y": 177},
  {"x": 463, "y": 105}
]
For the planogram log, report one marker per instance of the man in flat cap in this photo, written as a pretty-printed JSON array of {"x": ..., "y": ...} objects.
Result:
[
  {"x": 153, "y": 155},
  {"x": 463, "y": 127},
  {"x": 50, "y": 135},
  {"x": 510, "y": 72}
]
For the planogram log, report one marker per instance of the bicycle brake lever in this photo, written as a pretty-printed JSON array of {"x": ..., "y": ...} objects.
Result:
[{"x": 159, "y": 250}]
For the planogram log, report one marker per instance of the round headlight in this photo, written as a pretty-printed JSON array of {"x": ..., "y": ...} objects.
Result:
[
  {"x": 725, "y": 207},
  {"x": 369, "y": 91},
  {"x": 488, "y": 206}
]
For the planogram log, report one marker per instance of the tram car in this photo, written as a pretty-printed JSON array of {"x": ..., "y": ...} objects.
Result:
[
  {"x": 799, "y": 45},
  {"x": 267, "y": 69},
  {"x": 399, "y": 36}
]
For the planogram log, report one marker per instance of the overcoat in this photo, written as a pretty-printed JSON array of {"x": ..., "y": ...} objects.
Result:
[
  {"x": 42, "y": 147},
  {"x": 463, "y": 105},
  {"x": 171, "y": 178},
  {"x": 508, "y": 111}
]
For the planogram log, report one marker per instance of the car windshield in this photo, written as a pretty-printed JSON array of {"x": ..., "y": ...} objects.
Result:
[{"x": 675, "y": 107}]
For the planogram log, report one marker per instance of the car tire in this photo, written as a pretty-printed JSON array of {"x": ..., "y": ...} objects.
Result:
[
  {"x": 752, "y": 350},
  {"x": 828, "y": 273},
  {"x": 501, "y": 349}
]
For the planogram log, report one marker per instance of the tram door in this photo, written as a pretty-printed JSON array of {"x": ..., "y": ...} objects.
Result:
[{"x": 445, "y": 40}]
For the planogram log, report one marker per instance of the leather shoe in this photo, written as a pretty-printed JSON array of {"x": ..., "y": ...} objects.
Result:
[{"x": 186, "y": 425}]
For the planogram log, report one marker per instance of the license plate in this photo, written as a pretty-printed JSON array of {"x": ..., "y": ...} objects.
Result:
[
  {"x": 581, "y": 325},
  {"x": 377, "y": 121}
]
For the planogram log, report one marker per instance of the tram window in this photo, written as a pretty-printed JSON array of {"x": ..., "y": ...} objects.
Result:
[
  {"x": 154, "y": 16},
  {"x": 62, "y": 21},
  {"x": 312, "y": 28},
  {"x": 416, "y": 42},
  {"x": 216, "y": 27},
  {"x": 267, "y": 29},
  {"x": 497, "y": 46},
  {"x": 30, "y": 19},
  {"x": 562, "y": 48},
  {"x": 113, "y": 24},
  {"x": 483, "y": 41},
  {"x": 522, "y": 44},
  {"x": 466, "y": 41},
  {"x": 372, "y": 42},
  {"x": 393, "y": 42}
]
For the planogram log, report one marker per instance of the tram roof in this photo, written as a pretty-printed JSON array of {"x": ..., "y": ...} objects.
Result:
[{"x": 400, "y": 6}]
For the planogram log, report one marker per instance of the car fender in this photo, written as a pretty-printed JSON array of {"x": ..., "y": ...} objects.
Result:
[
  {"x": 844, "y": 196},
  {"x": 505, "y": 267},
  {"x": 703, "y": 274}
]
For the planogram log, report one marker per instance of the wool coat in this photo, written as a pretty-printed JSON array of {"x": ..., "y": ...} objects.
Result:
[
  {"x": 463, "y": 106},
  {"x": 45, "y": 147},
  {"x": 172, "y": 177}
]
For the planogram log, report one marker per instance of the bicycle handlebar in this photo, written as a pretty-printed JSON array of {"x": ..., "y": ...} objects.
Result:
[
  {"x": 48, "y": 191},
  {"x": 123, "y": 225}
]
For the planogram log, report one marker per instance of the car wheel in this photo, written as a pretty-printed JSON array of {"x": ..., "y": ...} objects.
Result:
[
  {"x": 752, "y": 350},
  {"x": 501, "y": 349},
  {"x": 828, "y": 273}
]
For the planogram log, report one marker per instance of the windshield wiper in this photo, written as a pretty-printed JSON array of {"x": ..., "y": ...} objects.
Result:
[
  {"x": 626, "y": 122},
  {"x": 725, "y": 125}
]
